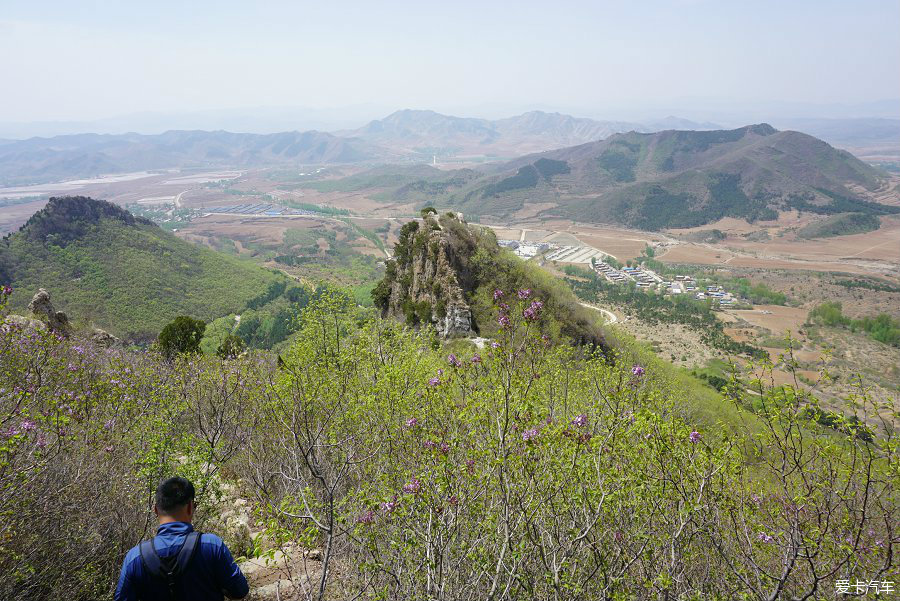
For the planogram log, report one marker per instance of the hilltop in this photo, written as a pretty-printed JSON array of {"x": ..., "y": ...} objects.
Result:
[
  {"x": 121, "y": 272},
  {"x": 680, "y": 179},
  {"x": 445, "y": 272}
]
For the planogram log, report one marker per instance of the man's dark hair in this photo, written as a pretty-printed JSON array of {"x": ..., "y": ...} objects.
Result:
[{"x": 174, "y": 493}]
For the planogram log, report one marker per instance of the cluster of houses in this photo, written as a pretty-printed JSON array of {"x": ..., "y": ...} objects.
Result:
[
  {"x": 682, "y": 284},
  {"x": 643, "y": 278}
]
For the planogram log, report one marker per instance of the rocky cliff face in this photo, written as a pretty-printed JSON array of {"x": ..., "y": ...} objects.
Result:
[{"x": 427, "y": 281}]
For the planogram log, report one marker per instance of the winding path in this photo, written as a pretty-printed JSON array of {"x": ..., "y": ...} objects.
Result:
[{"x": 609, "y": 315}]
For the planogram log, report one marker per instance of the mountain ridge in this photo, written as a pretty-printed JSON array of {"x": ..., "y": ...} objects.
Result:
[{"x": 689, "y": 177}]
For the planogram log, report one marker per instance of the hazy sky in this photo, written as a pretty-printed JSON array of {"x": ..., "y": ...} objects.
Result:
[{"x": 65, "y": 60}]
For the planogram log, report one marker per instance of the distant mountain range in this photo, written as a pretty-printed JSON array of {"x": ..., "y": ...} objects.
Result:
[
  {"x": 428, "y": 132},
  {"x": 87, "y": 155},
  {"x": 403, "y": 136}
]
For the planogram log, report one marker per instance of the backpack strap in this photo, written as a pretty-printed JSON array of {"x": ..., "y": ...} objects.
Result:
[
  {"x": 188, "y": 550},
  {"x": 171, "y": 567}
]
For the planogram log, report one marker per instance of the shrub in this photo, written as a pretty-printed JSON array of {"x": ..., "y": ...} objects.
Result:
[
  {"x": 181, "y": 336},
  {"x": 230, "y": 348}
]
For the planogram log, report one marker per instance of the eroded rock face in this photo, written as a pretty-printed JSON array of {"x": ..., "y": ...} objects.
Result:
[
  {"x": 41, "y": 307},
  {"x": 457, "y": 322},
  {"x": 427, "y": 286}
]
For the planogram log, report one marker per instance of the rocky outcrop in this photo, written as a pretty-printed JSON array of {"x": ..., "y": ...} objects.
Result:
[
  {"x": 103, "y": 338},
  {"x": 41, "y": 307},
  {"x": 425, "y": 283},
  {"x": 24, "y": 323}
]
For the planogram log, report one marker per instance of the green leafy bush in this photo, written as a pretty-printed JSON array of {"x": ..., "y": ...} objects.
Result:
[{"x": 181, "y": 337}]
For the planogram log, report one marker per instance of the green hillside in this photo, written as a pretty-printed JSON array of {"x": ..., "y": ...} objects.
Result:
[
  {"x": 840, "y": 225},
  {"x": 107, "y": 268},
  {"x": 680, "y": 179}
]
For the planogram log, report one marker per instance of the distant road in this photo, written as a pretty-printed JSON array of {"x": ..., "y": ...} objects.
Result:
[
  {"x": 178, "y": 199},
  {"x": 609, "y": 315}
]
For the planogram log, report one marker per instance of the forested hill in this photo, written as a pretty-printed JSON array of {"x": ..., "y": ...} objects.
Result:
[
  {"x": 681, "y": 179},
  {"x": 113, "y": 270}
]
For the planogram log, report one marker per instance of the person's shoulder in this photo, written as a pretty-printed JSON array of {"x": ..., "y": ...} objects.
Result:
[
  {"x": 133, "y": 555},
  {"x": 212, "y": 543},
  {"x": 208, "y": 538}
]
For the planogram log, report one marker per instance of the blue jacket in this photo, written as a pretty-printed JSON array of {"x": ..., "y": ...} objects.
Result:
[{"x": 211, "y": 575}]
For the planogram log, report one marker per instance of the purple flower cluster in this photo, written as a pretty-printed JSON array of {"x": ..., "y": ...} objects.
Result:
[
  {"x": 530, "y": 434},
  {"x": 524, "y": 294},
  {"x": 412, "y": 422},
  {"x": 434, "y": 382},
  {"x": 453, "y": 361},
  {"x": 637, "y": 371},
  {"x": 366, "y": 517},
  {"x": 498, "y": 294},
  {"x": 412, "y": 487},
  {"x": 503, "y": 321},
  {"x": 694, "y": 437},
  {"x": 389, "y": 506},
  {"x": 766, "y": 538},
  {"x": 533, "y": 311},
  {"x": 7, "y": 290},
  {"x": 580, "y": 421},
  {"x": 476, "y": 358}
]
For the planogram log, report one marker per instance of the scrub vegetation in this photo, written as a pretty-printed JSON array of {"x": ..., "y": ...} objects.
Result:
[{"x": 526, "y": 469}]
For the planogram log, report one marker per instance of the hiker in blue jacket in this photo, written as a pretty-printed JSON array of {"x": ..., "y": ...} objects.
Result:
[{"x": 179, "y": 563}]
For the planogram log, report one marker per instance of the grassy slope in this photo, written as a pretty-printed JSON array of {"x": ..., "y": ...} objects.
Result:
[{"x": 132, "y": 280}]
